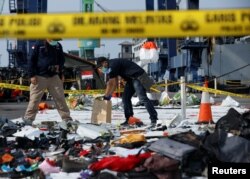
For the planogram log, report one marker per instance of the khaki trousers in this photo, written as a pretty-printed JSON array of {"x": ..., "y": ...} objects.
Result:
[{"x": 54, "y": 85}]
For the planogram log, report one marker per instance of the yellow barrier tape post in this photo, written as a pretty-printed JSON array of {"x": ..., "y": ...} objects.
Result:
[{"x": 232, "y": 22}]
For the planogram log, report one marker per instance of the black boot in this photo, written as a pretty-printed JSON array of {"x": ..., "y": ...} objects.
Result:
[{"x": 124, "y": 123}]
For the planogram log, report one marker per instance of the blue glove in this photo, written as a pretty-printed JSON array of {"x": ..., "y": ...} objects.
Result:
[{"x": 107, "y": 97}]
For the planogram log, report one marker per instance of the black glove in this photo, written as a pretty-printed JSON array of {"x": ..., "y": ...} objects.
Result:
[{"x": 107, "y": 97}]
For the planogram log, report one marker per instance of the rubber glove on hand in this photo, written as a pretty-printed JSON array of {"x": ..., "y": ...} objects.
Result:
[
  {"x": 107, "y": 97},
  {"x": 103, "y": 97}
]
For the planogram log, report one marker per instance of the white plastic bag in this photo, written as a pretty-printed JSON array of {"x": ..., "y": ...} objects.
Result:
[
  {"x": 164, "y": 99},
  {"x": 230, "y": 102},
  {"x": 91, "y": 131}
]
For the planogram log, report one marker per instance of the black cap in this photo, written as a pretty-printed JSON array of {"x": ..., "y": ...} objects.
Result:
[{"x": 100, "y": 60}]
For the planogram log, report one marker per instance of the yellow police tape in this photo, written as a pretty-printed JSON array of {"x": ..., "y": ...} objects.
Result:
[
  {"x": 230, "y": 22},
  {"x": 26, "y": 88},
  {"x": 199, "y": 88},
  {"x": 101, "y": 91},
  {"x": 89, "y": 92},
  {"x": 12, "y": 86},
  {"x": 169, "y": 84}
]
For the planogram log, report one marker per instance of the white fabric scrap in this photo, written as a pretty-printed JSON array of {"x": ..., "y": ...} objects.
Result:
[
  {"x": 61, "y": 175},
  {"x": 123, "y": 152},
  {"x": 29, "y": 132}
]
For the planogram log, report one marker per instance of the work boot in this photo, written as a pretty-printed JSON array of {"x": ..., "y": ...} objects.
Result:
[
  {"x": 154, "y": 122},
  {"x": 124, "y": 123},
  {"x": 69, "y": 125},
  {"x": 65, "y": 125},
  {"x": 152, "y": 125},
  {"x": 27, "y": 122}
]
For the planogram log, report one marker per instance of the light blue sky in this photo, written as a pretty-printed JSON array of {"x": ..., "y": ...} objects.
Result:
[{"x": 111, "y": 45}]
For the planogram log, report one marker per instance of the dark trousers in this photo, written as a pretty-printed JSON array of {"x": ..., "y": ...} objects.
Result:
[{"x": 130, "y": 88}]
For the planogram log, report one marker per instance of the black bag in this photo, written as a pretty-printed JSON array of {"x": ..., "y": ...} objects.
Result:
[
  {"x": 196, "y": 162},
  {"x": 233, "y": 149},
  {"x": 189, "y": 138},
  {"x": 7, "y": 127},
  {"x": 171, "y": 148},
  {"x": 146, "y": 81},
  {"x": 234, "y": 122},
  {"x": 231, "y": 121},
  {"x": 245, "y": 125}
]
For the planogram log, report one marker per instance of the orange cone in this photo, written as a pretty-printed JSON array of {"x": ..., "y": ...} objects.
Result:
[{"x": 205, "y": 114}]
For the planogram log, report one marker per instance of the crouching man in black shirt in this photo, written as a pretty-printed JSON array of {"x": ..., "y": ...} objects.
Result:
[{"x": 135, "y": 77}]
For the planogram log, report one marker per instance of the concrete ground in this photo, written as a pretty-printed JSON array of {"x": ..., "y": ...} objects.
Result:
[{"x": 13, "y": 110}]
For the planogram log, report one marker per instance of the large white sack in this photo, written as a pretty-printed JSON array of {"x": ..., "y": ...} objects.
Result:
[
  {"x": 148, "y": 53},
  {"x": 230, "y": 102}
]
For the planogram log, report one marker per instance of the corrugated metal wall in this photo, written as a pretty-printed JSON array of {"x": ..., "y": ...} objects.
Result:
[{"x": 227, "y": 58}]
